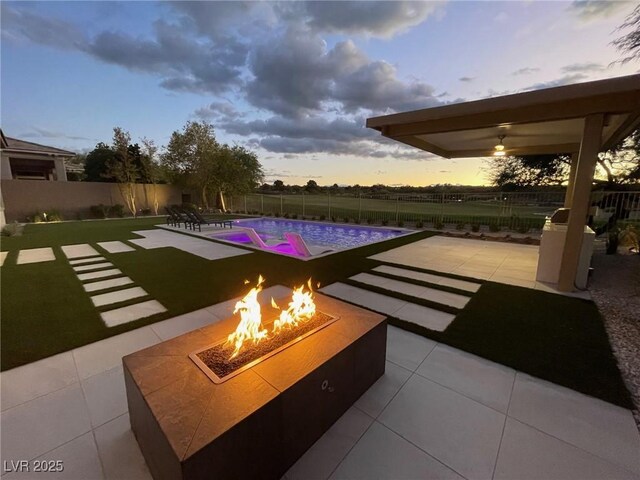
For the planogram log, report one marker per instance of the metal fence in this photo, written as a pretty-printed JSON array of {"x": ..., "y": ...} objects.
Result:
[{"x": 518, "y": 211}]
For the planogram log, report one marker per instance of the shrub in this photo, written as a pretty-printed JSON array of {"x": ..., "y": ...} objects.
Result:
[
  {"x": 322, "y": 217},
  {"x": 99, "y": 211},
  {"x": 385, "y": 222},
  {"x": 438, "y": 225},
  {"x": 494, "y": 227},
  {"x": 522, "y": 229},
  {"x": 286, "y": 215},
  {"x": 419, "y": 224},
  {"x": 356, "y": 221},
  {"x": 334, "y": 219},
  {"x": 145, "y": 211},
  {"x": 277, "y": 214},
  {"x": 44, "y": 217},
  {"x": 11, "y": 230},
  {"x": 294, "y": 216},
  {"x": 475, "y": 227},
  {"x": 369, "y": 221},
  {"x": 116, "y": 210},
  {"x": 460, "y": 226},
  {"x": 346, "y": 219},
  {"x": 313, "y": 218},
  {"x": 400, "y": 223}
]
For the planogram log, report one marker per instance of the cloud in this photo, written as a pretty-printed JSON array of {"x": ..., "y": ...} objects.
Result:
[
  {"x": 525, "y": 71},
  {"x": 583, "y": 67},
  {"x": 588, "y": 10},
  {"x": 44, "y": 133},
  {"x": 218, "y": 111},
  {"x": 466, "y": 79},
  {"x": 558, "y": 82},
  {"x": 380, "y": 19},
  {"x": 22, "y": 26}
]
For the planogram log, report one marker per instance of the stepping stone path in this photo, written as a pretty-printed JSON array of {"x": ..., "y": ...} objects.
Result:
[
  {"x": 429, "y": 277},
  {"x": 116, "y": 247},
  {"x": 35, "y": 255},
  {"x": 410, "y": 312},
  {"x": 431, "y": 318},
  {"x": 79, "y": 250},
  {"x": 426, "y": 293},
  {"x": 3, "y": 255},
  {"x": 89, "y": 265}
]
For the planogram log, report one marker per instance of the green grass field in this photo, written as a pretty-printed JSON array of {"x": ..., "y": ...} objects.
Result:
[
  {"x": 485, "y": 210},
  {"x": 45, "y": 310}
]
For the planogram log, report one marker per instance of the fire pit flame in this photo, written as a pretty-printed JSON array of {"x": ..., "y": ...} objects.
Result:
[
  {"x": 300, "y": 308},
  {"x": 250, "y": 328}
]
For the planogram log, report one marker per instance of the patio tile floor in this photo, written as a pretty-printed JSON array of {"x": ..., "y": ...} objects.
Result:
[
  {"x": 92, "y": 266},
  {"x": 104, "y": 284},
  {"x": 81, "y": 261},
  {"x": 3, "y": 256},
  {"x": 118, "y": 296},
  {"x": 405, "y": 426},
  {"x": 130, "y": 313},
  {"x": 35, "y": 255},
  {"x": 79, "y": 250},
  {"x": 116, "y": 247}
]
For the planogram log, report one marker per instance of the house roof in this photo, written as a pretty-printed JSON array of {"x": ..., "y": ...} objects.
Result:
[
  {"x": 16, "y": 145},
  {"x": 543, "y": 121}
]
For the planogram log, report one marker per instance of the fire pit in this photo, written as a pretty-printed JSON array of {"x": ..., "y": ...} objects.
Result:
[{"x": 264, "y": 414}]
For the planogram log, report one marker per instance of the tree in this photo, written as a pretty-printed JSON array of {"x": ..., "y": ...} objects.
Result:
[
  {"x": 75, "y": 167},
  {"x": 278, "y": 185},
  {"x": 618, "y": 166},
  {"x": 124, "y": 168},
  {"x": 629, "y": 43},
  {"x": 95, "y": 167},
  {"x": 312, "y": 186},
  {"x": 194, "y": 157},
  {"x": 150, "y": 172}
]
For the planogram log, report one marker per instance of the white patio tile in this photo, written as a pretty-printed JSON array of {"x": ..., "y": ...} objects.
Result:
[
  {"x": 184, "y": 323},
  {"x": 512, "y": 281},
  {"x": 104, "y": 284},
  {"x": 460, "y": 284},
  {"x": 373, "y": 401},
  {"x": 33, "y": 380},
  {"x": 403, "y": 272},
  {"x": 425, "y": 316},
  {"x": 382, "y": 454},
  {"x": 35, "y": 255},
  {"x": 472, "y": 273},
  {"x": 407, "y": 349},
  {"x": 3, "y": 256},
  {"x": 131, "y": 313},
  {"x": 36, "y": 427},
  {"x": 79, "y": 459},
  {"x": 116, "y": 247},
  {"x": 100, "y": 274},
  {"x": 81, "y": 261},
  {"x": 460, "y": 432},
  {"x": 206, "y": 249},
  {"x": 482, "y": 380},
  {"x": 325, "y": 455},
  {"x": 119, "y": 451},
  {"x": 106, "y": 396},
  {"x": 596, "y": 426},
  {"x": 528, "y": 274},
  {"x": 118, "y": 296},
  {"x": 79, "y": 250},
  {"x": 106, "y": 354},
  {"x": 93, "y": 266},
  {"x": 529, "y": 454},
  {"x": 371, "y": 300}
]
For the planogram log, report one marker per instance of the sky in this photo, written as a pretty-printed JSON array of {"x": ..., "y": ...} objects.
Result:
[{"x": 293, "y": 81}]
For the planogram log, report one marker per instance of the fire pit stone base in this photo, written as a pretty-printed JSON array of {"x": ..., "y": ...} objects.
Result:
[{"x": 258, "y": 423}]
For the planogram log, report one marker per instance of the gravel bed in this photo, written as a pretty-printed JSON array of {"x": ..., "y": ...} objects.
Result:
[{"x": 615, "y": 288}]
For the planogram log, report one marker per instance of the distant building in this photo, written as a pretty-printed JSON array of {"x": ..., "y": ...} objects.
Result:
[{"x": 22, "y": 160}]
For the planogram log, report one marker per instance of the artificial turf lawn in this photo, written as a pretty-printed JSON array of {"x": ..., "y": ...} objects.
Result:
[{"x": 46, "y": 311}]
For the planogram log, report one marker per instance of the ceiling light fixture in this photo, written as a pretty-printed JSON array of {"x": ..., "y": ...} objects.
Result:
[{"x": 499, "y": 148}]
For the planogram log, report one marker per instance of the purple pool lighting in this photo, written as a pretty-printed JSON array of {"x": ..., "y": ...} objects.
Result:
[{"x": 319, "y": 237}]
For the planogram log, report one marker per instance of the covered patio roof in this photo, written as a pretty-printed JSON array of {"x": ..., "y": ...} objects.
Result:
[
  {"x": 537, "y": 122},
  {"x": 581, "y": 120}
]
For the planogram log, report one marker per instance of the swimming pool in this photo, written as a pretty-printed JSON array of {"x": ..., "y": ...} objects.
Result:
[{"x": 331, "y": 236}]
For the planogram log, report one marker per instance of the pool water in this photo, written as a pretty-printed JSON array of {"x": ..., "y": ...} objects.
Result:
[{"x": 334, "y": 236}]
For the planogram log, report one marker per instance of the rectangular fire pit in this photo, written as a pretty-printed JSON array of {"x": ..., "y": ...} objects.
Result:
[{"x": 265, "y": 415}]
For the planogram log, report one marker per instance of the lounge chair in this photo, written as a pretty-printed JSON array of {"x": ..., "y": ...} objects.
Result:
[
  {"x": 179, "y": 217},
  {"x": 258, "y": 242},
  {"x": 298, "y": 244},
  {"x": 200, "y": 220}
]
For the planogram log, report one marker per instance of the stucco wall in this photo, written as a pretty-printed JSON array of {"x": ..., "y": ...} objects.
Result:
[{"x": 23, "y": 198}]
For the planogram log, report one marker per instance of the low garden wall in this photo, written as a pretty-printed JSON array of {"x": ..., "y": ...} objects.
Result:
[{"x": 72, "y": 200}]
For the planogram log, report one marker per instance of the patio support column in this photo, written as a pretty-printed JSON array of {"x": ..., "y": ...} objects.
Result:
[
  {"x": 568, "y": 198},
  {"x": 584, "y": 171}
]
